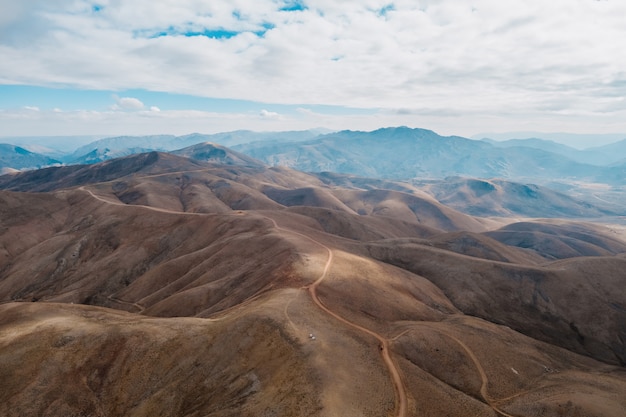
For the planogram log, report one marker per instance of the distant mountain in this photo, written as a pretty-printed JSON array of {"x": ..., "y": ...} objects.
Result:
[
  {"x": 384, "y": 153},
  {"x": 115, "y": 147},
  {"x": 620, "y": 162},
  {"x": 602, "y": 155},
  {"x": 211, "y": 152},
  {"x": 615, "y": 174},
  {"x": 404, "y": 153},
  {"x": 536, "y": 143},
  {"x": 614, "y": 152},
  {"x": 105, "y": 154},
  {"x": 50, "y": 145},
  {"x": 505, "y": 198},
  {"x": 544, "y": 145},
  {"x": 240, "y": 137},
  {"x": 575, "y": 140},
  {"x": 16, "y": 157},
  {"x": 485, "y": 198},
  {"x": 389, "y": 153}
]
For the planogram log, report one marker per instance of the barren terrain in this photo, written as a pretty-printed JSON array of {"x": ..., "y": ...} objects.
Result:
[{"x": 157, "y": 285}]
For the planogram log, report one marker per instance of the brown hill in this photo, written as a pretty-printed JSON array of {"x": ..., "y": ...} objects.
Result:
[
  {"x": 56, "y": 178},
  {"x": 560, "y": 239},
  {"x": 254, "y": 291},
  {"x": 553, "y": 303},
  {"x": 481, "y": 246},
  {"x": 497, "y": 197},
  {"x": 70, "y": 360},
  {"x": 212, "y": 152}
]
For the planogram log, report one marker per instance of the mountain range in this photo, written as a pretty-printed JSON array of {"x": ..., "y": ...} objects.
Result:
[
  {"x": 14, "y": 157},
  {"x": 611, "y": 154},
  {"x": 403, "y": 153},
  {"x": 400, "y": 153},
  {"x": 593, "y": 177},
  {"x": 205, "y": 282}
]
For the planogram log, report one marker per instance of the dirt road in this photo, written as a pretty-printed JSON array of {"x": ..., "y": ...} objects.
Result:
[{"x": 400, "y": 388}]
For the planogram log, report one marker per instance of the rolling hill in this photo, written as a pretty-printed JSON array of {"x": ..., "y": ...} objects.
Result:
[
  {"x": 156, "y": 284},
  {"x": 496, "y": 197}
]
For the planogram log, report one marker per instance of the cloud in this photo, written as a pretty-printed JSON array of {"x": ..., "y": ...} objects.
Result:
[
  {"x": 23, "y": 122},
  {"x": 305, "y": 111},
  {"x": 127, "y": 103},
  {"x": 269, "y": 114},
  {"x": 489, "y": 57}
]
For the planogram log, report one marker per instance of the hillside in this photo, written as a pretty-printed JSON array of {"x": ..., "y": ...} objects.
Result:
[
  {"x": 16, "y": 157},
  {"x": 53, "y": 178},
  {"x": 115, "y": 147},
  {"x": 158, "y": 284},
  {"x": 404, "y": 153},
  {"x": 601, "y": 156},
  {"x": 211, "y": 152},
  {"x": 496, "y": 197}
]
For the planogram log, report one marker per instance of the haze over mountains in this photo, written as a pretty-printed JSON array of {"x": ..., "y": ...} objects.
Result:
[
  {"x": 595, "y": 177},
  {"x": 603, "y": 155},
  {"x": 15, "y": 157},
  {"x": 400, "y": 153},
  {"x": 204, "y": 281}
]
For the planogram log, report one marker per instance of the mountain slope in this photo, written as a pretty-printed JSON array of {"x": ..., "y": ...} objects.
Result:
[
  {"x": 250, "y": 290},
  {"x": 15, "y": 157},
  {"x": 592, "y": 156},
  {"x": 612, "y": 153},
  {"x": 497, "y": 197},
  {"x": 49, "y": 179},
  {"x": 120, "y": 146},
  {"x": 211, "y": 152},
  {"x": 559, "y": 239},
  {"x": 403, "y": 153},
  {"x": 99, "y": 362}
]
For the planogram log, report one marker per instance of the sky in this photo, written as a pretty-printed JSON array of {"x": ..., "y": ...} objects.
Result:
[{"x": 114, "y": 67}]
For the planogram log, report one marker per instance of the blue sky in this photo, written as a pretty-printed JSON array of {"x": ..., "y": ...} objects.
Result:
[
  {"x": 108, "y": 67},
  {"x": 70, "y": 99}
]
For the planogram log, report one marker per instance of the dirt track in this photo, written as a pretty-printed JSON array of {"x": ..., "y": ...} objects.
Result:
[
  {"x": 400, "y": 389},
  {"x": 481, "y": 371}
]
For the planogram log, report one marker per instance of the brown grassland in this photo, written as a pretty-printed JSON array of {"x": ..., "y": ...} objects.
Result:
[{"x": 165, "y": 287}]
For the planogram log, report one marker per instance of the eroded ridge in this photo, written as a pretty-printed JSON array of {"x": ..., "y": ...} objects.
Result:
[{"x": 399, "y": 387}]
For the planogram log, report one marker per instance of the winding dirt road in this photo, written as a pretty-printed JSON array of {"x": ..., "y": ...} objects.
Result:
[
  {"x": 399, "y": 387},
  {"x": 119, "y": 203},
  {"x": 491, "y": 402}
]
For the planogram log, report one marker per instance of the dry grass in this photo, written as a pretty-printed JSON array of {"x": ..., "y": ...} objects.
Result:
[{"x": 216, "y": 275}]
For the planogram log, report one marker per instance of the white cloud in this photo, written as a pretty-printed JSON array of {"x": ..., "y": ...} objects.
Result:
[
  {"x": 269, "y": 114},
  {"x": 127, "y": 103},
  {"x": 527, "y": 59},
  {"x": 25, "y": 122}
]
